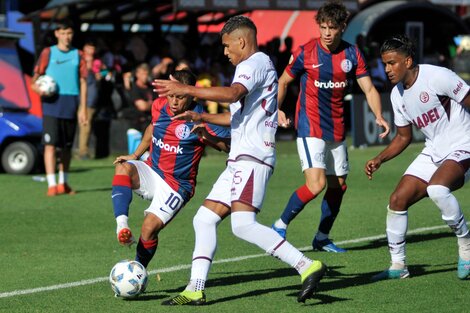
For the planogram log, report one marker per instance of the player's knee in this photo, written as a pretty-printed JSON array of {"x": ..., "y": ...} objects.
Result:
[
  {"x": 241, "y": 226},
  {"x": 122, "y": 169},
  {"x": 397, "y": 203},
  {"x": 205, "y": 217},
  {"x": 437, "y": 192},
  {"x": 316, "y": 187}
]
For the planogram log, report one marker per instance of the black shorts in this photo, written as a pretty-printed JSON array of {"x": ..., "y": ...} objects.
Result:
[{"x": 58, "y": 132}]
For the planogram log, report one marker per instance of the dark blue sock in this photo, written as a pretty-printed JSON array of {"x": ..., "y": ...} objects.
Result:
[
  {"x": 145, "y": 251},
  {"x": 296, "y": 203},
  {"x": 330, "y": 208},
  {"x": 121, "y": 195}
]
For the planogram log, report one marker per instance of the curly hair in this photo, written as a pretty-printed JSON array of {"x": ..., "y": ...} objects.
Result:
[{"x": 333, "y": 11}]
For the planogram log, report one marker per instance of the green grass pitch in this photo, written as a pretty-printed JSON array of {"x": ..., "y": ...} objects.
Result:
[{"x": 56, "y": 253}]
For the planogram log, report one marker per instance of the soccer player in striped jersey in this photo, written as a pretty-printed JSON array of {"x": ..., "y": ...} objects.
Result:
[
  {"x": 240, "y": 189},
  {"x": 168, "y": 176},
  {"x": 326, "y": 67},
  {"x": 436, "y": 101}
]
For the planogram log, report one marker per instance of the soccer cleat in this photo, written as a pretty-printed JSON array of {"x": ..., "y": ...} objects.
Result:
[
  {"x": 52, "y": 191},
  {"x": 326, "y": 245},
  {"x": 463, "y": 269},
  {"x": 281, "y": 231},
  {"x": 187, "y": 298},
  {"x": 64, "y": 189},
  {"x": 310, "y": 279},
  {"x": 391, "y": 274},
  {"x": 124, "y": 236}
]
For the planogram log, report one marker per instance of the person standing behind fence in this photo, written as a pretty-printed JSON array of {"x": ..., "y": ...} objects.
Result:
[
  {"x": 94, "y": 68},
  {"x": 66, "y": 65}
]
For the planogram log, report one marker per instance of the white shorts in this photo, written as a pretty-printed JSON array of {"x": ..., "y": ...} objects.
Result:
[
  {"x": 243, "y": 181},
  {"x": 424, "y": 168},
  {"x": 165, "y": 201},
  {"x": 317, "y": 153}
]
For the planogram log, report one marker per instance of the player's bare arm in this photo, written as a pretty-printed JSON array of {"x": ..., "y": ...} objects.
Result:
[
  {"x": 218, "y": 143},
  {"x": 219, "y": 94},
  {"x": 222, "y": 119},
  {"x": 82, "y": 110},
  {"x": 373, "y": 99},
  {"x": 284, "y": 82},
  {"x": 141, "y": 148},
  {"x": 399, "y": 143}
]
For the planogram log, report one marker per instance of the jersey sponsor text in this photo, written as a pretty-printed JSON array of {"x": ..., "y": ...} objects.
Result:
[
  {"x": 159, "y": 142},
  {"x": 330, "y": 84},
  {"x": 428, "y": 117}
]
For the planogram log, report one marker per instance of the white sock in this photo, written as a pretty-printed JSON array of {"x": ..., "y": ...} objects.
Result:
[
  {"x": 397, "y": 225},
  {"x": 450, "y": 209},
  {"x": 196, "y": 285},
  {"x": 205, "y": 228},
  {"x": 122, "y": 222},
  {"x": 397, "y": 266},
  {"x": 464, "y": 247},
  {"x": 245, "y": 226},
  {"x": 63, "y": 177},
  {"x": 51, "y": 182},
  {"x": 280, "y": 224}
]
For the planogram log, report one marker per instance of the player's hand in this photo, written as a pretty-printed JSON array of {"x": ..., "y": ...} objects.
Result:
[
  {"x": 189, "y": 116},
  {"x": 169, "y": 87},
  {"x": 200, "y": 130},
  {"x": 372, "y": 166},
  {"x": 282, "y": 120},
  {"x": 383, "y": 123},
  {"x": 124, "y": 158},
  {"x": 82, "y": 117}
]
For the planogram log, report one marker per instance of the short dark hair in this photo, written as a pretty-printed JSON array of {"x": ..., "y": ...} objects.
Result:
[
  {"x": 333, "y": 11},
  {"x": 401, "y": 44},
  {"x": 237, "y": 22},
  {"x": 63, "y": 24},
  {"x": 185, "y": 77}
]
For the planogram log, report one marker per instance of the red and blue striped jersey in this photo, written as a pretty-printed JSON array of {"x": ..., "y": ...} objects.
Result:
[
  {"x": 175, "y": 152},
  {"x": 324, "y": 81}
]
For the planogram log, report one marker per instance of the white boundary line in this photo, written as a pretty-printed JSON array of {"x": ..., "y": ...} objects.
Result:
[{"x": 187, "y": 266}]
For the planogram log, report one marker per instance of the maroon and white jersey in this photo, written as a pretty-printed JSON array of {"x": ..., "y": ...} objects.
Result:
[
  {"x": 432, "y": 104},
  {"x": 254, "y": 117}
]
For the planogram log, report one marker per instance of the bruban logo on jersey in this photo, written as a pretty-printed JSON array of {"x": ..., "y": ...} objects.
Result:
[
  {"x": 244, "y": 76},
  {"x": 164, "y": 146},
  {"x": 330, "y": 84},
  {"x": 459, "y": 87},
  {"x": 428, "y": 117}
]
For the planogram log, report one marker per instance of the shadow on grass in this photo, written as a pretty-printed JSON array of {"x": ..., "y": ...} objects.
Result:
[{"x": 335, "y": 278}]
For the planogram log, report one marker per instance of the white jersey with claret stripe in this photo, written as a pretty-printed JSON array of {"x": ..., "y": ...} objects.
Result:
[
  {"x": 432, "y": 104},
  {"x": 254, "y": 117}
]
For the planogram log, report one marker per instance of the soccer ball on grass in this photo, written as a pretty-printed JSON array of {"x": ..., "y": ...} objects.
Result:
[
  {"x": 47, "y": 85},
  {"x": 128, "y": 279}
]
